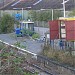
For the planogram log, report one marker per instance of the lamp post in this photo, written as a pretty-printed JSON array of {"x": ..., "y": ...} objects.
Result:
[
  {"x": 64, "y": 8},
  {"x": 64, "y": 2},
  {"x": 52, "y": 14}
]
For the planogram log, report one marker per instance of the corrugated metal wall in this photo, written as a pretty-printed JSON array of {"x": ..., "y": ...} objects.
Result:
[
  {"x": 54, "y": 29},
  {"x": 70, "y": 30}
]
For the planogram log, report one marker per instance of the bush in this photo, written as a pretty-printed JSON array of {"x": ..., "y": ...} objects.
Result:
[
  {"x": 27, "y": 32},
  {"x": 34, "y": 36},
  {"x": 18, "y": 44},
  {"x": 60, "y": 56},
  {"x": 7, "y": 23}
]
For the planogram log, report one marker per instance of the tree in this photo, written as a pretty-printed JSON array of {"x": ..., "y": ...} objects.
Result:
[
  {"x": 57, "y": 14},
  {"x": 40, "y": 15},
  {"x": 33, "y": 15},
  {"x": 72, "y": 13},
  {"x": 7, "y": 23},
  {"x": 44, "y": 15}
]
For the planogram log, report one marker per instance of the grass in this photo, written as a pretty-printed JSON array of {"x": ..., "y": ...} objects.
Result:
[{"x": 60, "y": 55}]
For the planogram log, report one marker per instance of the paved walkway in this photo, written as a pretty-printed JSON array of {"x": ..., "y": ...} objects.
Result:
[{"x": 32, "y": 46}]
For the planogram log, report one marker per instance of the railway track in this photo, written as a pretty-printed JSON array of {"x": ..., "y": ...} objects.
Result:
[
  {"x": 43, "y": 63},
  {"x": 52, "y": 70},
  {"x": 51, "y": 67}
]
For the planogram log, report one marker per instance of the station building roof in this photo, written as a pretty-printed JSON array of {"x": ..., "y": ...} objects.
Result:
[{"x": 36, "y": 4}]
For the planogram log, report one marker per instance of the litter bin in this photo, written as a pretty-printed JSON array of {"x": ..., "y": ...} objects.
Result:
[{"x": 18, "y": 32}]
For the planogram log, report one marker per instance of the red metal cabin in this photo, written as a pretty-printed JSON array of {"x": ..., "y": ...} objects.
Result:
[
  {"x": 54, "y": 29},
  {"x": 62, "y": 29},
  {"x": 70, "y": 30}
]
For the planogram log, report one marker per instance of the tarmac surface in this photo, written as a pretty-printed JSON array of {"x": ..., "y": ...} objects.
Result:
[{"x": 31, "y": 45}]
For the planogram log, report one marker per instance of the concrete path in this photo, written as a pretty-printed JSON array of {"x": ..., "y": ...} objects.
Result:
[{"x": 31, "y": 45}]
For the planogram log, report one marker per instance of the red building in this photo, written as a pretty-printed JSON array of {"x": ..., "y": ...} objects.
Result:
[
  {"x": 62, "y": 29},
  {"x": 70, "y": 30},
  {"x": 54, "y": 29}
]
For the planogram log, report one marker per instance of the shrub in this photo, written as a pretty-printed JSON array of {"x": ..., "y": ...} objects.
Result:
[
  {"x": 34, "y": 36},
  {"x": 7, "y": 23},
  {"x": 27, "y": 32},
  {"x": 18, "y": 44}
]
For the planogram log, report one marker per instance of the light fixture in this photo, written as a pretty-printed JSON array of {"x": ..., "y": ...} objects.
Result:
[{"x": 64, "y": 2}]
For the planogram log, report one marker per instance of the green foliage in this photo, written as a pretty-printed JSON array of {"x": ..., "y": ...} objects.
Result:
[
  {"x": 1, "y": 46},
  {"x": 45, "y": 15},
  {"x": 27, "y": 32},
  {"x": 18, "y": 44},
  {"x": 60, "y": 56},
  {"x": 17, "y": 23},
  {"x": 6, "y": 23},
  {"x": 57, "y": 14},
  {"x": 12, "y": 53},
  {"x": 33, "y": 15},
  {"x": 40, "y": 15},
  {"x": 35, "y": 36},
  {"x": 72, "y": 13},
  {"x": 5, "y": 55},
  {"x": 19, "y": 70},
  {"x": 16, "y": 63},
  {"x": 17, "y": 60}
]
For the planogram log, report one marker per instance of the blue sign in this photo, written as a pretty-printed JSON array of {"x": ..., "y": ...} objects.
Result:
[{"x": 18, "y": 16}]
